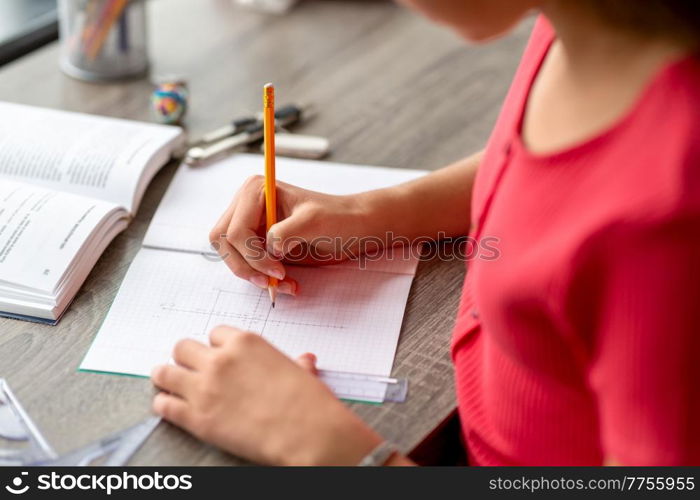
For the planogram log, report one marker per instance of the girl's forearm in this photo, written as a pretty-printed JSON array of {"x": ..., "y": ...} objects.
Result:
[{"x": 432, "y": 206}]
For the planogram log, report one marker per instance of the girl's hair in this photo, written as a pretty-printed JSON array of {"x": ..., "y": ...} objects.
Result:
[{"x": 679, "y": 19}]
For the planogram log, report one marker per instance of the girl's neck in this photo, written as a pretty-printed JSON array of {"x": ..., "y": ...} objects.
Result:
[
  {"x": 592, "y": 76},
  {"x": 592, "y": 47}
]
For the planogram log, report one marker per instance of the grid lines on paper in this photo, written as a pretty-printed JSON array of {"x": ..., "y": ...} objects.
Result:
[{"x": 350, "y": 319}]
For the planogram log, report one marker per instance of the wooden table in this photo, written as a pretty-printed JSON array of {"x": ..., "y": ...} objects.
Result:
[{"x": 393, "y": 89}]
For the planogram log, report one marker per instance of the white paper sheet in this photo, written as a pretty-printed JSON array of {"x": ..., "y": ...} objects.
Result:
[{"x": 350, "y": 318}]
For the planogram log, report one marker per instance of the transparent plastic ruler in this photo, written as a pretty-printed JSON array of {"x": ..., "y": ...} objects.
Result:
[{"x": 367, "y": 388}]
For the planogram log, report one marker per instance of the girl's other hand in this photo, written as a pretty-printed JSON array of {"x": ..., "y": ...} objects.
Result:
[{"x": 245, "y": 396}]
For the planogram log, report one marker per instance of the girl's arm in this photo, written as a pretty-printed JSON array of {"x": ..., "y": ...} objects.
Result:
[{"x": 434, "y": 204}]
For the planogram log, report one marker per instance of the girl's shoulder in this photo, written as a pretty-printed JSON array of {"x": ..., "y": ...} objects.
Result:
[
  {"x": 541, "y": 38},
  {"x": 666, "y": 132}
]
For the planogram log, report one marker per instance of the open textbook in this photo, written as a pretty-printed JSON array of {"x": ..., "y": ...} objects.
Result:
[
  {"x": 348, "y": 315},
  {"x": 69, "y": 183}
]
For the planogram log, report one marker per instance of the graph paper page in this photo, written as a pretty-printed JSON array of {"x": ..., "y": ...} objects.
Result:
[{"x": 349, "y": 318}]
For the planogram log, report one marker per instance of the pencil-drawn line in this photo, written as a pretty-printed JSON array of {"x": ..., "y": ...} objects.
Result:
[
  {"x": 248, "y": 317},
  {"x": 211, "y": 312},
  {"x": 255, "y": 310},
  {"x": 259, "y": 296},
  {"x": 262, "y": 330},
  {"x": 233, "y": 292}
]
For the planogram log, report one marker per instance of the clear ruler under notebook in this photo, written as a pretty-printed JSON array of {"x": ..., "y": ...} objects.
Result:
[{"x": 367, "y": 388}]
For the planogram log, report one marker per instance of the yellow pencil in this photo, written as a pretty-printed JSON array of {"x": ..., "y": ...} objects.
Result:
[{"x": 270, "y": 183}]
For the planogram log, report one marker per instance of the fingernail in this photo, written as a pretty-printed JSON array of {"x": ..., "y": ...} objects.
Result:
[
  {"x": 276, "y": 273},
  {"x": 259, "y": 281},
  {"x": 287, "y": 287}
]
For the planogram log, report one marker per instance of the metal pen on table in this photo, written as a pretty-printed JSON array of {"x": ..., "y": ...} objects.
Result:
[
  {"x": 202, "y": 154},
  {"x": 235, "y": 127},
  {"x": 240, "y": 132}
]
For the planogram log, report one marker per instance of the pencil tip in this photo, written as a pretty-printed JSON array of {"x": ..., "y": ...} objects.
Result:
[{"x": 273, "y": 305}]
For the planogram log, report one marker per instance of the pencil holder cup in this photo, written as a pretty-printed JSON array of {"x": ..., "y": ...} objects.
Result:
[{"x": 103, "y": 40}]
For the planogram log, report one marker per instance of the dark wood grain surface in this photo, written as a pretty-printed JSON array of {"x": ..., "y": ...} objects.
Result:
[{"x": 391, "y": 89}]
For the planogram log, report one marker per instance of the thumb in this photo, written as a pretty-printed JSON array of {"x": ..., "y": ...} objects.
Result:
[
  {"x": 287, "y": 235},
  {"x": 308, "y": 362}
]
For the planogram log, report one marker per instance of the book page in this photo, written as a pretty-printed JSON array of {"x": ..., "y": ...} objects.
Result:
[
  {"x": 41, "y": 231},
  {"x": 349, "y": 319},
  {"x": 92, "y": 156},
  {"x": 197, "y": 197}
]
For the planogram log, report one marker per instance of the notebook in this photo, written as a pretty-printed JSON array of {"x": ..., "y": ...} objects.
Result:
[
  {"x": 348, "y": 314},
  {"x": 69, "y": 183}
]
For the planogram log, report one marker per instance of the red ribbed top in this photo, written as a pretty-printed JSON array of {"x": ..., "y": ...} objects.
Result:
[{"x": 581, "y": 341}]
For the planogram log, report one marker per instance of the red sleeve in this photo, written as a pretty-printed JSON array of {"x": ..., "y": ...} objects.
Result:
[{"x": 645, "y": 343}]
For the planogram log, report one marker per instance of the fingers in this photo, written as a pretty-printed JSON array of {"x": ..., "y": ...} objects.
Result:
[
  {"x": 238, "y": 266},
  {"x": 308, "y": 362},
  {"x": 191, "y": 354},
  {"x": 236, "y": 235},
  {"x": 219, "y": 335},
  {"x": 173, "y": 409},
  {"x": 250, "y": 246},
  {"x": 287, "y": 235},
  {"x": 217, "y": 236},
  {"x": 288, "y": 286},
  {"x": 246, "y": 219},
  {"x": 172, "y": 378}
]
